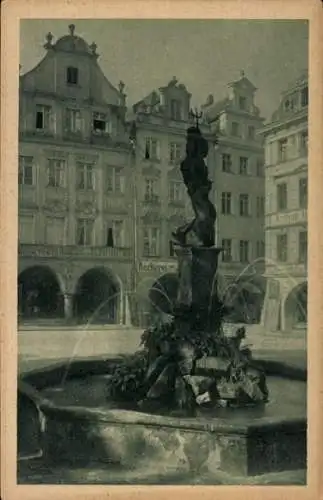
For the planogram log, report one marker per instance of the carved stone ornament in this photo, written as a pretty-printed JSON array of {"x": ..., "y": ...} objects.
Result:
[
  {"x": 87, "y": 158},
  {"x": 86, "y": 207},
  {"x": 176, "y": 218},
  {"x": 55, "y": 206},
  {"x": 56, "y": 155},
  {"x": 151, "y": 217},
  {"x": 151, "y": 171}
]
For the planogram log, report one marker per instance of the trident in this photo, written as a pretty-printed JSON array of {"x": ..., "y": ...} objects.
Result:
[{"x": 197, "y": 116}]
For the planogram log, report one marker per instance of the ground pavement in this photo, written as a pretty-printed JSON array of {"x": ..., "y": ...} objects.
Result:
[{"x": 42, "y": 346}]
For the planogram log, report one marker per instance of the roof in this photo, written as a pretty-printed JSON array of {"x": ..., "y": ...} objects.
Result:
[
  {"x": 212, "y": 112},
  {"x": 299, "y": 82},
  {"x": 294, "y": 86},
  {"x": 72, "y": 43},
  {"x": 243, "y": 82}
]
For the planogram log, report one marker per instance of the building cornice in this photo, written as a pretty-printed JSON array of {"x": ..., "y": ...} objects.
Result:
[
  {"x": 244, "y": 114},
  {"x": 54, "y": 141},
  {"x": 227, "y": 142},
  {"x": 88, "y": 102},
  {"x": 292, "y": 172},
  {"x": 284, "y": 123},
  {"x": 280, "y": 227}
]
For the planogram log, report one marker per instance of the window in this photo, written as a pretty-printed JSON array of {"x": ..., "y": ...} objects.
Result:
[
  {"x": 115, "y": 180},
  {"x": 151, "y": 241},
  {"x": 72, "y": 76},
  {"x": 100, "y": 124},
  {"x": 282, "y": 247},
  {"x": 85, "y": 176},
  {"x": 242, "y": 103},
  {"x": 260, "y": 249},
  {"x": 115, "y": 234},
  {"x": 260, "y": 206},
  {"x": 152, "y": 148},
  {"x": 55, "y": 227},
  {"x": 84, "y": 232},
  {"x": 290, "y": 103},
  {"x": 26, "y": 229},
  {"x": 226, "y": 203},
  {"x": 260, "y": 167},
  {"x": 282, "y": 196},
  {"x": 175, "y": 152},
  {"x": 56, "y": 171},
  {"x": 25, "y": 175},
  {"x": 304, "y": 143},
  {"x": 175, "y": 193},
  {"x": 292, "y": 147},
  {"x": 283, "y": 150},
  {"x": 302, "y": 192},
  {"x": 302, "y": 246},
  {"x": 43, "y": 117},
  {"x": 175, "y": 109},
  {"x": 304, "y": 97},
  {"x": 244, "y": 251},
  {"x": 251, "y": 132},
  {"x": 151, "y": 190},
  {"x": 227, "y": 250},
  {"x": 243, "y": 165},
  {"x": 171, "y": 249},
  {"x": 226, "y": 163},
  {"x": 287, "y": 105},
  {"x": 244, "y": 205},
  {"x": 73, "y": 121},
  {"x": 235, "y": 129}
]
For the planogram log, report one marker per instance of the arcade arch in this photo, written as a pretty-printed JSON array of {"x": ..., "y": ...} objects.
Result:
[
  {"x": 153, "y": 296},
  {"x": 98, "y": 296},
  {"x": 39, "y": 293},
  {"x": 163, "y": 293},
  {"x": 245, "y": 297},
  {"x": 296, "y": 307}
]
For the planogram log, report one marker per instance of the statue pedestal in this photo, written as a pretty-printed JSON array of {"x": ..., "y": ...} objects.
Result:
[{"x": 197, "y": 290}]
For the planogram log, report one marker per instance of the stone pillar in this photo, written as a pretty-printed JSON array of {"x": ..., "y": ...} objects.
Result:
[
  {"x": 197, "y": 291},
  {"x": 127, "y": 311},
  {"x": 68, "y": 306}
]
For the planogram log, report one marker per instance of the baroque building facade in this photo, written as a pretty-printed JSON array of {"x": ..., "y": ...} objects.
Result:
[
  {"x": 239, "y": 195},
  {"x": 286, "y": 152},
  {"x": 159, "y": 124},
  {"x": 100, "y": 190},
  {"x": 74, "y": 211}
]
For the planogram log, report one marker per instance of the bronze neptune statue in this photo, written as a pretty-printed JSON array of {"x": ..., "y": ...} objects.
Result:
[{"x": 195, "y": 176}]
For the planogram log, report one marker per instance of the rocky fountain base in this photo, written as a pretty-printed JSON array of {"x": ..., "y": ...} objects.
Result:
[
  {"x": 159, "y": 409},
  {"x": 82, "y": 427}
]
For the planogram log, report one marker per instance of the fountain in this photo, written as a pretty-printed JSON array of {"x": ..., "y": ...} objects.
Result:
[{"x": 157, "y": 406}]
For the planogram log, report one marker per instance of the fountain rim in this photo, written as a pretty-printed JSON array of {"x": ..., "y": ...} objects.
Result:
[{"x": 41, "y": 378}]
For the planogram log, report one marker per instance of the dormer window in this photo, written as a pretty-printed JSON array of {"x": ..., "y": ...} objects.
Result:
[
  {"x": 175, "y": 109},
  {"x": 287, "y": 105},
  {"x": 242, "y": 103},
  {"x": 72, "y": 76},
  {"x": 304, "y": 97},
  {"x": 235, "y": 131}
]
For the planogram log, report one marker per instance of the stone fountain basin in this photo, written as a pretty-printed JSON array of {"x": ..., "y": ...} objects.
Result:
[{"x": 82, "y": 427}]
